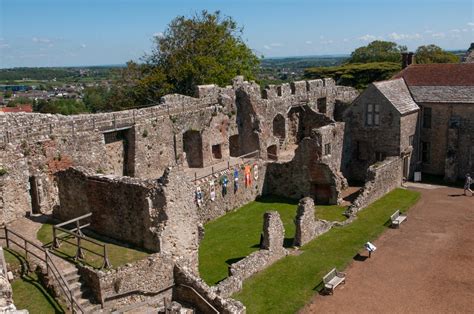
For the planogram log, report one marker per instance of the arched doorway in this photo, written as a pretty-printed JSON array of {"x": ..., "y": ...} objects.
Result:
[
  {"x": 272, "y": 152},
  {"x": 279, "y": 126}
]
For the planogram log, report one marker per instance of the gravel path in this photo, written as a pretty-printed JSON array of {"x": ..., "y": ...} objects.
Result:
[{"x": 425, "y": 266}]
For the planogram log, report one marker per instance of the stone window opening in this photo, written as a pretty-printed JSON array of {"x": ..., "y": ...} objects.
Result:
[
  {"x": 427, "y": 118},
  {"x": 272, "y": 152},
  {"x": 322, "y": 105},
  {"x": 216, "y": 151},
  {"x": 425, "y": 152},
  {"x": 35, "y": 195},
  {"x": 373, "y": 115},
  {"x": 411, "y": 140},
  {"x": 327, "y": 149}
]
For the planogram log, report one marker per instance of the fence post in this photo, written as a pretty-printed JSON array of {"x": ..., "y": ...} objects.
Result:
[
  {"x": 26, "y": 249},
  {"x": 79, "y": 253},
  {"x": 46, "y": 261},
  {"x": 6, "y": 237},
  {"x": 106, "y": 258},
  {"x": 78, "y": 231},
  {"x": 56, "y": 242}
]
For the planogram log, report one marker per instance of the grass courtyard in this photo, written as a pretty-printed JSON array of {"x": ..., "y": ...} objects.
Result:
[
  {"x": 237, "y": 234},
  {"x": 28, "y": 293},
  {"x": 118, "y": 255},
  {"x": 289, "y": 284}
]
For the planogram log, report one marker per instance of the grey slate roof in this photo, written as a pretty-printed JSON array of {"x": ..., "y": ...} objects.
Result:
[
  {"x": 443, "y": 94},
  {"x": 396, "y": 91}
]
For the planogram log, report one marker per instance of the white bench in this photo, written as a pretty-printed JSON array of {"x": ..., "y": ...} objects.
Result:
[
  {"x": 397, "y": 218},
  {"x": 333, "y": 279}
]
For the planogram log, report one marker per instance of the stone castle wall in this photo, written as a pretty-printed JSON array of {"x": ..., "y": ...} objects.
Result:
[
  {"x": 382, "y": 178},
  {"x": 144, "y": 142}
]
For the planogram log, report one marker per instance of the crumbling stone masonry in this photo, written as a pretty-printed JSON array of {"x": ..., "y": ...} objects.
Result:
[
  {"x": 307, "y": 226},
  {"x": 271, "y": 250}
]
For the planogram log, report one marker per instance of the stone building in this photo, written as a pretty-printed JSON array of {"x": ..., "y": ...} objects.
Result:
[
  {"x": 381, "y": 122},
  {"x": 432, "y": 128}
]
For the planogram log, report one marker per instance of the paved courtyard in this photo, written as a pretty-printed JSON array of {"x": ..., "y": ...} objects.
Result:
[{"x": 425, "y": 266}]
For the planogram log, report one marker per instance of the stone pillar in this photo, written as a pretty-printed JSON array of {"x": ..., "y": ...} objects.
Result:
[
  {"x": 273, "y": 231},
  {"x": 305, "y": 222}
]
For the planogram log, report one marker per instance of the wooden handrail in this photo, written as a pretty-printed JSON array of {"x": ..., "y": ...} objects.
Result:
[
  {"x": 77, "y": 234},
  {"x": 50, "y": 265}
]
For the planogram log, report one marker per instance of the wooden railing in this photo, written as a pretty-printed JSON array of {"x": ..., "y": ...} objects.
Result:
[
  {"x": 76, "y": 233},
  {"x": 239, "y": 160},
  {"x": 43, "y": 256}
]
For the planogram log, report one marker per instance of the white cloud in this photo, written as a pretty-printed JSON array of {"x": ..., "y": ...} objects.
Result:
[
  {"x": 4, "y": 46},
  {"x": 158, "y": 34},
  {"x": 396, "y": 36},
  {"x": 470, "y": 24},
  {"x": 267, "y": 47},
  {"x": 438, "y": 35},
  {"x": 83, "y": 45},
  {"x": 455, "y": 30},
  {"x": 41, "y": 40},
  {"x": 308, "y": 42},
  {"x": 276, "y": 45},
  {"x": 327, "y": 42},
  {"x": 367, "y": 37}
]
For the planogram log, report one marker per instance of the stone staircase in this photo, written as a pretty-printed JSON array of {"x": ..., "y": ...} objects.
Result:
[{"x": 79, "y": 291}]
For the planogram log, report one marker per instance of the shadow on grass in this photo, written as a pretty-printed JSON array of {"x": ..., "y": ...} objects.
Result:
[
  {"x": 33, "y": 282},
  {"x": 288, "y": 242},
  {"x": 231, "y": 261},
  {"x": 276, "y": 199}
]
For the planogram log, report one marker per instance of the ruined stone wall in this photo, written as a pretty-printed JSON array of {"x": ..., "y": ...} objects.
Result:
[
  {"x": 145, "y": 279},
  {"x": 271, "y": 250},
  {"x": 313, "y": 171},
  {"x": 144, "y": 142},
  {"x": 362, "y": 141},
  {"x": 151, "y": 214},
  {"x": 232, "y": 199},
  {"x": 382, "y": 178},
  {"x": 185, "y": 279}
]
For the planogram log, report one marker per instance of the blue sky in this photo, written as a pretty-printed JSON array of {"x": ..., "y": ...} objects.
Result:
[{"x": 96, "y": 32}]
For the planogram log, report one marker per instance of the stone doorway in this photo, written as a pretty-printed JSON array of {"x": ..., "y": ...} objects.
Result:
[
  {"x": 192, "y": 146},
  {"x": 322, "y": 105},
  {"x": 35, "y": 195},
  {"x": 279, "y": 126},
  {"x": 295, "y": 125},
  {"x": 234, "y": 147},
  {"x": 322, "y": 193},
  {"x": 272, "y": 152},
  {"x": 120, "y": 152}
]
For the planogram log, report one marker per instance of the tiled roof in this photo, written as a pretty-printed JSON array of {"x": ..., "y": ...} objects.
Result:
[
  {"x": 397, "y": 93},
  {"x": 443, "y": 94},
  {"x": 18, "y": 108},
  {"x": 447, "y": 74}
]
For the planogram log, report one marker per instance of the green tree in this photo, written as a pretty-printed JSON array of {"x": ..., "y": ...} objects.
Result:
[
  {"x": 434, "y": 54},
  {"x": 357, "y": 75},
  {"x": 206, "y": 48},
  {"x": 378, "y": 51},
  {"x": 61, "y": 106}
]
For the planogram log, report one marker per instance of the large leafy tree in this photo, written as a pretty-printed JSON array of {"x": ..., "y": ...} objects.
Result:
[
  {"x": 434, "y": 54},
  {"x": 206, "y": 48},
  {"x": 378, "y": 51}
]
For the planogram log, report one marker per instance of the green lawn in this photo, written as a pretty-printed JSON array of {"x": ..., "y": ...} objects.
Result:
[
  {"x": 237, "y": 234},
  {"x": 28, "y": 293},
  {"x": 330, "y": 212},
  {"x": 118, "y": 255},
  {"x": 289, "y": 284}
]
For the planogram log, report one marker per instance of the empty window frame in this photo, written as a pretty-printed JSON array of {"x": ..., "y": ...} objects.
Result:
[
  {"x": 327, "y": 149},
  {"x": 373, "y": 115},
  {"x": 425, "y": 152},
  {"x": 427, "y": 118}
]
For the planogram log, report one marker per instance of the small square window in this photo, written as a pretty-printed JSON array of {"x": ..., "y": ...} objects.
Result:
[{"x": 327, "y": 149}]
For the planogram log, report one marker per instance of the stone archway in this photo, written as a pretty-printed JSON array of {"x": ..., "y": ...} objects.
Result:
[
  {"x": 272, "y": 152},
  {"x": 279, "y": 126},
  {"x": 192, "y": 147}
]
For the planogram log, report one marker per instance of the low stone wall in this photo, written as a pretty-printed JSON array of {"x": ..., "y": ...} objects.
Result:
[
  {"x": 232, "y": 199},
  {"x": 184, "y": 280},
  {"x": 271, "y": 250},
  {"x": 382, "y": 178},
  {"x": 149, "y": 278}
]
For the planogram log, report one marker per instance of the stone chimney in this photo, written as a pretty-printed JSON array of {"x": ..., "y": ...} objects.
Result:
[{"x": 407, "y": 59}]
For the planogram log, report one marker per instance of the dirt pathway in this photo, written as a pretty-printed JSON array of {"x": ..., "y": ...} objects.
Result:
[{"x": 425, "y": 266}]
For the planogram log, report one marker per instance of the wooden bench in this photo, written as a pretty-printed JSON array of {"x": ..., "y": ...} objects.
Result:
[
  {"x": 333, "y": 279},
  {"x": 397, "y": 218}
]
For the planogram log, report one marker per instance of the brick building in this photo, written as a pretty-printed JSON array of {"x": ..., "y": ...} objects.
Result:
[{"x": 425, "y": 115}]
